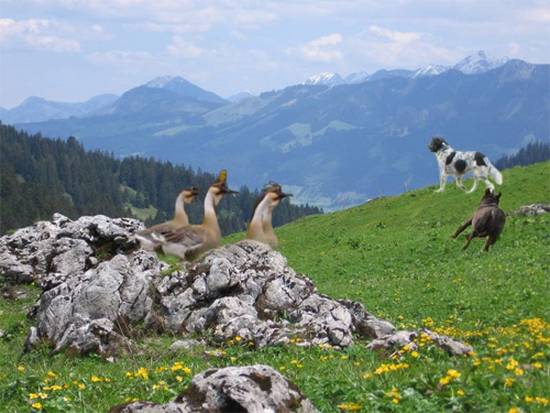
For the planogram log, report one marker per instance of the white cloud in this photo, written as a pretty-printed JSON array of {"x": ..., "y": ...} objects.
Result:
[
  {"x": 120, "y": 57},
  {"x": 537, "y": 15},
  {"x": 182, "y": 48},
  {"x": 37, "y": 34},
  {"x": 395, "y": 36},
  {"x": 384, "y": 47},
  {"x": 323, "y": 49}
]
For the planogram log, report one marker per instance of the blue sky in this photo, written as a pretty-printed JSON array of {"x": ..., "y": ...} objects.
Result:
[{"x": 70, "y": 50}]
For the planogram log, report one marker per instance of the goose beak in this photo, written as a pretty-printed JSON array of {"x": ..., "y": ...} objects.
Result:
[
  {"x": 230, "y": 191},
  {"x": 283, "y": 195}
]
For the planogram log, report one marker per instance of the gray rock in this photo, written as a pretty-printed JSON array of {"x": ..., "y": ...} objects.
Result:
[
  {"x": 252, "y": 389},
  {"x": 401, "y": 338},
  {"x": 451, "y": 346},
  {"x": 49, "y": 252},
  {"x": 248, "y": 290},
  {"x": 188, "y": 344},
  {"x": 93, "y": 311},
  {"x": 533, "y": 209}
]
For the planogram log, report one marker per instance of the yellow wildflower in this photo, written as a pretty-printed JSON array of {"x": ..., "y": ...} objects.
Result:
[
  {"x": 537, "y": 365},
  {"x": 513, "y": 410},
  {"x": 81, "y": 386},
  {"x": 512, "y": 364},
  {"x": 452, "y": 373},
  {"x": 367, "y": 376},
  {"x": 444, "y": 380},
  {"x": 415, "y": 354},
  {"x": 21, "y": 369},
  {"x": 460, "y": 392},
  {"x": 39, "y": 395},
  {"x": 349, "y": 407},
  {"x": 37, "y": 406},
  {"x": 508, "y": 382},
  {"x": 238, "y": 338},
  {"x": 142, "y": 373},
  {"x": 518, "y": 372},
  {"x": 179, "y": 379},
  {"x": 50, "y": 374}
]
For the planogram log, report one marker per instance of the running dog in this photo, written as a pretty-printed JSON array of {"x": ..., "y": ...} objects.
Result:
[
  {"x": 488, "y": 221},
  {"x": 458, "y": 163}
]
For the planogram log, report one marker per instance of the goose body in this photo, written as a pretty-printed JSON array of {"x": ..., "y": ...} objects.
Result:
[
  {"x": 191, "y": 241},
  {"x": 150, "y": 239},
  {"x": 260, "y": 227}
]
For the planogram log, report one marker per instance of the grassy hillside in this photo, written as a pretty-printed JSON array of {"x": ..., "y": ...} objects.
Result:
[{"x": 394, "y": 255}]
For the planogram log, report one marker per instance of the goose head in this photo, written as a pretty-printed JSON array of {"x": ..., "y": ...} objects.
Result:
[
  {"x": 274, "y": 194},
  {"x": 189, "y": 194},
  {"x": 219, "y": 188}
]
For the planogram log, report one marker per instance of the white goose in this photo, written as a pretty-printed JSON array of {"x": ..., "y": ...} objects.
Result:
[
  {"x": 191, "y": 241},
  {"x": 260, "y": 227},
  {"x": 150, "y": 238}
]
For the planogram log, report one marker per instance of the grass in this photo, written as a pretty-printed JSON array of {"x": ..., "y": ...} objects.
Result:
[{"x": 395, "y": 256}]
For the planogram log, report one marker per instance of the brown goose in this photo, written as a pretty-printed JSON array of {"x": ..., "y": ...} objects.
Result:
[
  {"x": 150, "y": 238},
  {"x": 260, "y": 227},
  {"x": 191, "y": 241}
]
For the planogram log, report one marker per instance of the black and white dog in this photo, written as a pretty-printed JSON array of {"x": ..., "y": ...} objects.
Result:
[{"x": 459, "y": 163}]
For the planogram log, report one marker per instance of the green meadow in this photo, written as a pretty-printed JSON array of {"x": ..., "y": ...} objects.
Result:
[{"x": 395, "y": 255}]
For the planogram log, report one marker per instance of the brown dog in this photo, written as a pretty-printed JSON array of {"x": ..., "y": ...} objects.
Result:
[{"x": 488, "y": 221}]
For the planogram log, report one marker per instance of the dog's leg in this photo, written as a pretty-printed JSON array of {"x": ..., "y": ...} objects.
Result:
[
  {"x": 490, "y": 241},
  {"x": 442, "y": 182},
  {"x": 474, "y": 186},
  {"x": 462, "y": 228},
  {"x": 460, "y": 182},
  {"x": 469, "y": 238}
]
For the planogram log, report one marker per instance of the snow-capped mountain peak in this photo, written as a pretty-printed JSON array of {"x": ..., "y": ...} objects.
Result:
[
  {"x": 325, "y": 78},
  {"x": 430, "y": 70},
  {"x": 357, "y": 77},
  {"x": 479, "y": 63}
]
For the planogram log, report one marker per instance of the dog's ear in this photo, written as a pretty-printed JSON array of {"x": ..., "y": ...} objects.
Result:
[{"x": 487, "y": 192}]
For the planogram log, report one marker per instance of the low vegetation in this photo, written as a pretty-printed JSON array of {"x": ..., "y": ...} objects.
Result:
[{"x": 395, "y": 255}]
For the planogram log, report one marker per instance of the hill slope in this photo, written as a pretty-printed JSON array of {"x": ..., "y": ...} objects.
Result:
[{"x": 396, "y": 253}]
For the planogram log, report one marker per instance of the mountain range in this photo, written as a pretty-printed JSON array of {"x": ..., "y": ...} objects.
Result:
[{"x": 333, "y": 145}]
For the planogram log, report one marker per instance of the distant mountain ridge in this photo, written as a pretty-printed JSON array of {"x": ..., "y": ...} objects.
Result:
[
  {"x": 335, "y": 146},
  {"x": 477, "y": 63},
  {"x": 37, "y": 109}
]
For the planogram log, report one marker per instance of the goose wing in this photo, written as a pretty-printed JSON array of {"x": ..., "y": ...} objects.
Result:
[
  {"x": 189, "y": 236},
  {"x": 161, "y": 229}
]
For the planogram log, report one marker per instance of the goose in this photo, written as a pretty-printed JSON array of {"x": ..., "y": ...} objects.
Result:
[
  {"x": 260, "y": 227},
  {"x": 191, "y": 241},
  {"x": 150, "y": 238}
]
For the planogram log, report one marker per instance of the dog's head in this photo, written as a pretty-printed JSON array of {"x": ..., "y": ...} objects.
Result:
[
  {"x": 437, "y": 144},
  {"x": 490, "y": 197}
]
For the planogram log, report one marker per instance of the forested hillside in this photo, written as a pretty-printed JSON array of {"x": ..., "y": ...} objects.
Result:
[
  {"x": 39, "y": 176},
  {"x": 532, "y": 153}
]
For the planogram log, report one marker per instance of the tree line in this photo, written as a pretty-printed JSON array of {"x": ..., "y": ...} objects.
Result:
[
  {"x": 537, "y": 151},
  {"x": 40, "y": 176}
]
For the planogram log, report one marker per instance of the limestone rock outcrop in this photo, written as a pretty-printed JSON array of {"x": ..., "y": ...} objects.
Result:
[{"x": 251, "y": 389}]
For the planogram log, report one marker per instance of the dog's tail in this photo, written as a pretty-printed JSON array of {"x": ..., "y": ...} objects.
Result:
[{"x": 494, "y": 172}]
